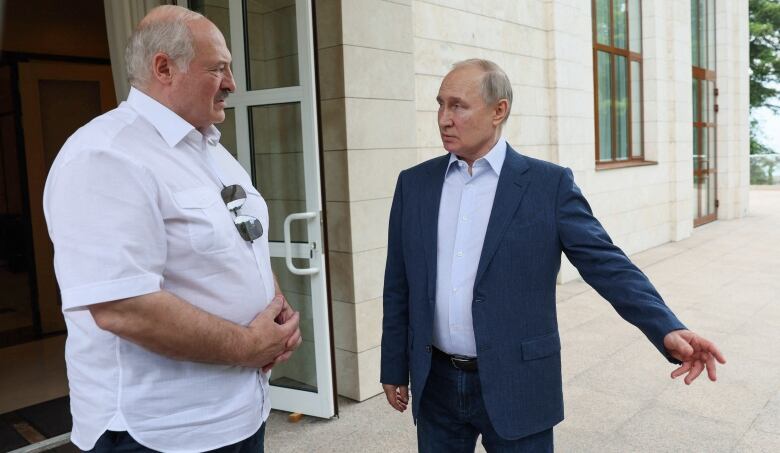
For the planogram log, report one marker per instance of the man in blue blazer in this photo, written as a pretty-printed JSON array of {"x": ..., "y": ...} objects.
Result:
[{"x": 474, "y": 250}]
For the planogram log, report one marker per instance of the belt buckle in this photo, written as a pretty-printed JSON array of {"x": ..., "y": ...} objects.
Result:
[{"x": 458, "y": 362}]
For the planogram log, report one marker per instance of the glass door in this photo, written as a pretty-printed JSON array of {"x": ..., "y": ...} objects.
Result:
[
  {"x": 704, "y": 92},
  {"x": 271, "y": 129}
]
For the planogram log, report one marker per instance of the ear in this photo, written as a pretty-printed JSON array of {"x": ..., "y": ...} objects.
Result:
[
  {"x": 163, "y": 68},
  {"x": 500, "y": 111}
]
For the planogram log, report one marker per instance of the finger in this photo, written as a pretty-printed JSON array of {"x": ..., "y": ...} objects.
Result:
[
  {"x": 273, "y": 309},
  {"x": 682, "y": 347},
  {"x": 287, "y": 311},
  {"x": 696, "y": 370},
  {"x": 293, "y": 341},
  {"x": 711, "y": 373},
  {"x": 291, "y": 325},
  {"x": 283, "y": 357},
  {"x": 403, "y": 393},
  {"x": 390, "y": 395},
  {"x": 716, "y": 352},
  {"x": 682, "y": 369}
]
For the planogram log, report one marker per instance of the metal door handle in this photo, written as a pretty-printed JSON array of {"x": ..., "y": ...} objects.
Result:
[{"x": 288, "y": 243}]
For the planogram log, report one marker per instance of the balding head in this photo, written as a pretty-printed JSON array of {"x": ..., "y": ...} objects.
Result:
[{"x": 164, "y": 30}]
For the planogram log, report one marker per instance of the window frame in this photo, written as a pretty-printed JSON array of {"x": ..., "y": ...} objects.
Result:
[{"x": 630, "y": 57}]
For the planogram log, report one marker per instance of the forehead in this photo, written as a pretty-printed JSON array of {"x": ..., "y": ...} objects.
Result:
[
  {"x": 208, "y": 41},
  {"x": 462, "y": 82}
]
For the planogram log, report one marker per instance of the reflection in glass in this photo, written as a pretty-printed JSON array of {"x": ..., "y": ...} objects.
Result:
[
  {"x": 300, "y": 371},
  {"x": 228, "y": 130},
  {"x": 277, "y": 156},
  {"x": 702, "y": 23},
  {"x": 703, "y": 192},
  {"x": 695, "y": 92},
  {"x": 619, "y": 18},
  {"x": 704, "y": 163},
  {"x": 711, "y": 194},
  {"x": 711, "y": 141},
  {"x": 217, "y": 12},
  {"x": 272, "y": 44},
  {"x": 636, "y": 109},
  {"x": 711, "y": 34},
  {"x": 696, "y": 171},
  {"x": 695, "y": 33},
  {"x": 635, "y": 26},
  {"x": 605, "y": 106},
  {"x": 602, "y": 22},
  {"x": 621, "y": 106}
]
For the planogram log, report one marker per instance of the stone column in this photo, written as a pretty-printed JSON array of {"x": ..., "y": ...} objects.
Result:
[
  {"x": 733, "y": 124},
  {"x": 367, "y": 102}
]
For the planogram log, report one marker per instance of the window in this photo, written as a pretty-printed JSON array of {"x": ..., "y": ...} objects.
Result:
[
  {"x": 617, "y": 66},
  {"x": 704, "y": 102}
]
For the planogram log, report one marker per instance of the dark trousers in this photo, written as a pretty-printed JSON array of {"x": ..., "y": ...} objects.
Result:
[
  {"x": 452, "y": 415},
  {"x": 123, "y": 442}
]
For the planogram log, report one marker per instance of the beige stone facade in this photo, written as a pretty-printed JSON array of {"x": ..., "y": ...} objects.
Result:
[{"x": 380, "y": 66}]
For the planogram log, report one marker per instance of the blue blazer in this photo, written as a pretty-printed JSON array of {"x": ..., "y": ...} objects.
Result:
[{"x": 538, "y": 212}]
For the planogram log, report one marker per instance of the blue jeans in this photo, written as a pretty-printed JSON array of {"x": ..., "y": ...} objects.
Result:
[
  {"x": 123, "y": 442},
  {"x": 452, "y": 415}
]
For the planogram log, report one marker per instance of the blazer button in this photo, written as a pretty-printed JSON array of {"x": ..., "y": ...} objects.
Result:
[
  {"x": 428, "y": 348},
  {"x": 478, "y": 301}
]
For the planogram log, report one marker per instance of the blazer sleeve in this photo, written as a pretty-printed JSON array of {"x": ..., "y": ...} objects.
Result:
[
  {"x": 395, "y": 321},
  {"x": 607, "y": 269}
]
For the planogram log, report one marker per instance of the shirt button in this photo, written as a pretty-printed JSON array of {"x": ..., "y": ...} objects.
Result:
[
  {"x": 465, "y": 218},
  {"x": 427, "y": 348},
  {"x": 459, "y": 253},
  {"x": 454, "y": 290}
]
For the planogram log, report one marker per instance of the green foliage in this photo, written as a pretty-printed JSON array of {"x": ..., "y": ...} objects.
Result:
[
  {"x": 764, "y": 52},
  {"x": 764, "y": 75}
]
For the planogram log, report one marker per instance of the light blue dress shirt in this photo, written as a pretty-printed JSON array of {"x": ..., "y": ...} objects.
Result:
[{"x": 464, "y": 212}]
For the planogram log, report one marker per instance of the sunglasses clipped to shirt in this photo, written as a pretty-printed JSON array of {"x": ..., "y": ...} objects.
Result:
[{"x": 248, "y": 227}]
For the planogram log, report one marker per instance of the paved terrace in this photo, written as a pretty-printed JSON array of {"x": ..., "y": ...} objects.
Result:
[{"x": 723, "y": 282}]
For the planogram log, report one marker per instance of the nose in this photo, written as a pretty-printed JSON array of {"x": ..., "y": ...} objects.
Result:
[
  {"x": 445, "y": 118},
  {"x": 228, "y": 82}
]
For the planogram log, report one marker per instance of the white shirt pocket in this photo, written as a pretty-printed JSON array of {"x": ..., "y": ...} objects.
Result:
[{"x": 209, "y": 223}]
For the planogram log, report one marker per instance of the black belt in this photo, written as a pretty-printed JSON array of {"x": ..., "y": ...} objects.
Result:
[{"x": 459, "y": 362}]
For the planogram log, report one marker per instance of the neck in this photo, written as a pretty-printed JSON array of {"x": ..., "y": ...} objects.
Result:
[{"x": 484, "y": 150}]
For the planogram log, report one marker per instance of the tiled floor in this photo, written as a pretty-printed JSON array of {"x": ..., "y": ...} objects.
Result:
[{"x": 31, "y": 373}]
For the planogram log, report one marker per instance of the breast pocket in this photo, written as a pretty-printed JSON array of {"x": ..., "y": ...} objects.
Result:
[{"x": 209, "y": 223}]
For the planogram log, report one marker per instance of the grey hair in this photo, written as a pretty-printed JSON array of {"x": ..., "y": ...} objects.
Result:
[
  {"x": 495, "y": 83},
  {"x": 167, "y": 33}
]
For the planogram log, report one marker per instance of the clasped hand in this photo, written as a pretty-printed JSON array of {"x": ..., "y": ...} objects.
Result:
[{"x": 275, "y": 334}]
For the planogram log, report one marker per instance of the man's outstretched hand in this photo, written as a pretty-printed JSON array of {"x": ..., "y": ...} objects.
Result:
[{"x": 695, "y": 352}]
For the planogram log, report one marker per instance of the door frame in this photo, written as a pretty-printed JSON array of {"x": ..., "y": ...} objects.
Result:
[{"x": 30, "y": 74}]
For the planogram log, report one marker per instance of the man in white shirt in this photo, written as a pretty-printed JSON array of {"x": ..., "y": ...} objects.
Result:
[{"x": 161, "y": 253}]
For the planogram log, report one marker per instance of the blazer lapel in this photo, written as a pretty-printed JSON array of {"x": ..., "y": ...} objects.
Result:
[
  {"x": 511, "y": 187},
  {"x": 430, "y": 199}
]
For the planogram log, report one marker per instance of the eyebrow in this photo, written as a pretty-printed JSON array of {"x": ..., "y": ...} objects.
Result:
[{"x": 453, "y": 99}]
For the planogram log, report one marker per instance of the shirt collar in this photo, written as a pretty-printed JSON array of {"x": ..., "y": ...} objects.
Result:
[
  {"x": 495, "y": 157},
  {"x": 171, "y": 126}
]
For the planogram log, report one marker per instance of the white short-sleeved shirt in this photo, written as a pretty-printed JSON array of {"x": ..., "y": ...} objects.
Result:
[{"x": 133, "y": 206}]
